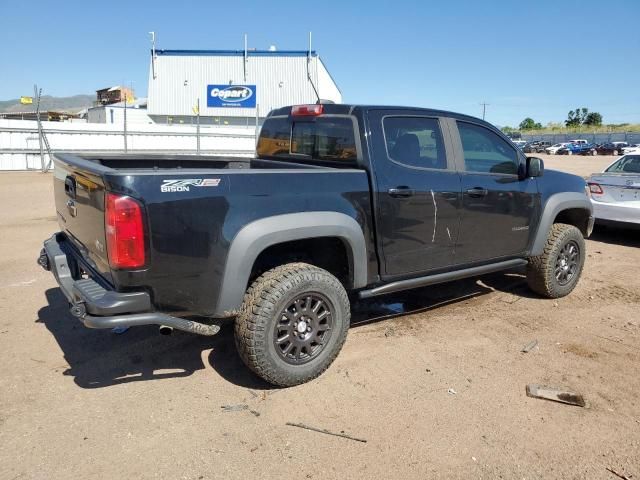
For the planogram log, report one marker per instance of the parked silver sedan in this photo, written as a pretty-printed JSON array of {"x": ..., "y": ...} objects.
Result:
[{"x": 615, "y": 193}]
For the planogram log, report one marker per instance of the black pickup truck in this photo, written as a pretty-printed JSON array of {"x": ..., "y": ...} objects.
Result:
[{"x": 340, "y": 202}]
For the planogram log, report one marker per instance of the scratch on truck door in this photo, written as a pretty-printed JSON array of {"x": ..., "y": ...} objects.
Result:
[{"x": 435, "y": 216}]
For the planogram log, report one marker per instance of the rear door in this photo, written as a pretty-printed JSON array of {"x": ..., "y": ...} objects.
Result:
[
  {"x": 79, "y": 197},
  {"x": 417, "y": 191},
  {"x": 497, "y": 207}
]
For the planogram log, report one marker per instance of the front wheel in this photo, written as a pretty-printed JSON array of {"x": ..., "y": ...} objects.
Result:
[
  {"x": 292, "y": 324},
  {"x": 556, "y": 272}
]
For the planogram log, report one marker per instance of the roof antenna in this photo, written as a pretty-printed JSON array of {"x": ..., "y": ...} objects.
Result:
[
  {"x": 246, "y": 58},
  {"x": 153, "y": 54},
  {"x": 309, "y": 72}
]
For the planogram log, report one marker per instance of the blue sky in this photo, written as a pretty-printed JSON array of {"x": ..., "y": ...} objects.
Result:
[{"x": 536, "y": 58}]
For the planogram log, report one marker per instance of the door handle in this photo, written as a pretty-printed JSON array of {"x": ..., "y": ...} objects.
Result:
[
  {"x": 401, "y": 192},
  {"x": 477, "y": 192},
  {"x": 70, "y": 187}
]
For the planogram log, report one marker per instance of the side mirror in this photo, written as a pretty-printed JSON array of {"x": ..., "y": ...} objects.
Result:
[{"x": 535, "y": 167}]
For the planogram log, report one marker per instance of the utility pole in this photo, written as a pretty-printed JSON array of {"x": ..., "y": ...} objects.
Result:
[
  {"x": 37, "y": 93},
  {"x": 125, "y": 122},
  {"x": 484, "y": 108}
]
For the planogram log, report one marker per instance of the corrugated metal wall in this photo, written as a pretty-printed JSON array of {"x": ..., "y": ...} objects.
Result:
[{"x": 280, "y": 80}]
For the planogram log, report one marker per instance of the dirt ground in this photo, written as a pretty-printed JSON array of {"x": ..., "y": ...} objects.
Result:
[{"x": 80, "y": 403}]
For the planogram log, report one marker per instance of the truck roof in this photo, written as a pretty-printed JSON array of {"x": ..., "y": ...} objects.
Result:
[{"x": 349, "y": 109}]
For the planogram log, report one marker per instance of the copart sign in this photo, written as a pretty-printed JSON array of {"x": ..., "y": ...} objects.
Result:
[{"x": 238, "y": 96}]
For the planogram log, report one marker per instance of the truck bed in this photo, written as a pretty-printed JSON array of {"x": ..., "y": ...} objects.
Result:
[
  {"x": 134, "y": 163},
  {"x": 193, "y": 208}
]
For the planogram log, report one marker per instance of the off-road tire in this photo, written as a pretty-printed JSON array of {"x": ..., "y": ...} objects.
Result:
[
  {"x": 541, "y": 270},
  {"x": 262, "y": 310}
]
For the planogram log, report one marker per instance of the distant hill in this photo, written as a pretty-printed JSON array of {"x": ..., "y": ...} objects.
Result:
[{"x": 47, "y": 102}]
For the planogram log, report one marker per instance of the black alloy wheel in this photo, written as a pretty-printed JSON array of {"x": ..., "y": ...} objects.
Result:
[
  {"x": 304, "y": 328},
  {"x": 567, "y": 263}
]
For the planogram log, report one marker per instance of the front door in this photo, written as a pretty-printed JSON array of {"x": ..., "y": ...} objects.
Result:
[
  {"x": 418, "y": 192},
  {"x": 498, "y": 206}
]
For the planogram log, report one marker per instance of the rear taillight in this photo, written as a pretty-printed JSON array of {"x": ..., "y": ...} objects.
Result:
[
  {"x": 307, "y": 110},
  {"x": 595, "y": 189},
  {"x": 124, "y": 232}
]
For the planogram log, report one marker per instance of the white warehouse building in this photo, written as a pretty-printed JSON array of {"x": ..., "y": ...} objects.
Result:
[{"x": 234, "y": 87}]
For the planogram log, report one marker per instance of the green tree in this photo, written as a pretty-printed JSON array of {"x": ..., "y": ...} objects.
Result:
[
  {"x": 576, "y": 117},
  {"x": 529, "y": 124},
  {"x": 593, "y": 119}
]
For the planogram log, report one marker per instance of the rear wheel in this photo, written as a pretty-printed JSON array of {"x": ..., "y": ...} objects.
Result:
[
  {"x": 615, "y": 152},
  {"x": 556, "y": 272},
  {"x": 292, "y": 324}
]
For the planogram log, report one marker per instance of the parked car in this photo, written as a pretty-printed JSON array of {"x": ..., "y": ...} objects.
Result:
[
  {"x": 615, "y": 193},
  {"x": 635, "y": 148},
  {"x": 612, "y": 148},
  {"x": 339, "y": 200},
  {"x": 537, "y": 147},
  {"x": 553, "y": 149},
  {"x": 576, "y": 149}
]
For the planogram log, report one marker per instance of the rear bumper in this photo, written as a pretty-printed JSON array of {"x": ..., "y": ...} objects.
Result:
[
  {"x": 99, "y": 307},
  {"x": 616, "y": 213}
]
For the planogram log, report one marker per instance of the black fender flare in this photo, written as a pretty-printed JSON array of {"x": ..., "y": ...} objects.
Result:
[
  {"x": 555, "y": 204},
  {"x": 258, "y": 235}
]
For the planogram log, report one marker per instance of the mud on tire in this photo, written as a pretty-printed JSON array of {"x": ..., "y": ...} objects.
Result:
[
  {"x": 556, "y": 272},
  {"x": 292, "y": 324}
]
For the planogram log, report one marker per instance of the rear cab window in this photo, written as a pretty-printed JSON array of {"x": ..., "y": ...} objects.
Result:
[{"x": 329, "y": 138}]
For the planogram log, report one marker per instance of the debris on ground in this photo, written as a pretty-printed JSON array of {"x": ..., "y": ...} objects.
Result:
[
  {"x": 451, "y": 391},
  {"x": 555, "y": 395},
  {"x": 255, "y": 413},
  {"x": 327, "y": 432},
  {"x": 619, "y": 475},
  {"x": 235, "y": 408},
  {"x": 529, "y": 346}
]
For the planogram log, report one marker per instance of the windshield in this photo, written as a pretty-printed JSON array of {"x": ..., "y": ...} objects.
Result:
[{"x": 627, "y": 164}]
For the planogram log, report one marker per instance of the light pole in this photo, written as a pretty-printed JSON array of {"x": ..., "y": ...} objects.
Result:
[{"x": 484, "y": 108}]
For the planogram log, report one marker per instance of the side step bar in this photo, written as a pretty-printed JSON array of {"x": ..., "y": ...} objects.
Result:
[{"x": 441, "y": 278}]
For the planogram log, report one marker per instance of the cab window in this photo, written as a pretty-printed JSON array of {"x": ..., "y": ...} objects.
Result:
[
  {"x": 414, "y": 141},
  {"x": 486, "y": 152},
  {"x": 328, "y": 138},
  {"x": 324, "y": 138},
  {"x": 275, "y": 137}
]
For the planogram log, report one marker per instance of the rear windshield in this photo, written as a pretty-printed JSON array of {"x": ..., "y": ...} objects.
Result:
[
  {"x": 324, "y": 138},
  {"x": 628, "y": 164}
]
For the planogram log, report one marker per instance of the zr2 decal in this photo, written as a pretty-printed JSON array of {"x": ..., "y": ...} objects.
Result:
[{"x": 185, "y": 184}]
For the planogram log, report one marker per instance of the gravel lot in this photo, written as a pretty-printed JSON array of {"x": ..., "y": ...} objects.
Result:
[{"x": 80, "y": 403}]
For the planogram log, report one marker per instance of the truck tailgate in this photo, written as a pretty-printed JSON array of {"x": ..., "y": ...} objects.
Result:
[{"x": 80, "y": 198}]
